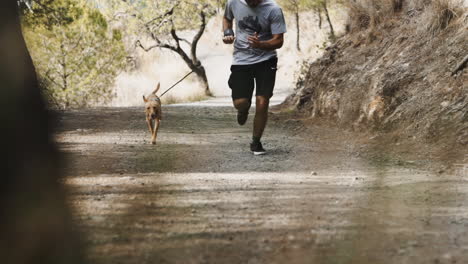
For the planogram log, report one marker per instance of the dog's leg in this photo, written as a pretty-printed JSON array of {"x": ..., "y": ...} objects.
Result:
[
  {"x": 150, "y": 125},
  {"x": 155, "y": 130}
]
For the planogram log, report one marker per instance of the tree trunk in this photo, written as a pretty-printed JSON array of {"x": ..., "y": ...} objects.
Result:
[
  {"x": 201, "y": 74},
  {"x": 200, "y": 70},
  {"x": 332, "y": 31},
  {"x": 34, "y": 218},
  {"x": 197, "y": 68},
  {"x": 298, "y": 45},
  {"x": 319, "y": 14}
]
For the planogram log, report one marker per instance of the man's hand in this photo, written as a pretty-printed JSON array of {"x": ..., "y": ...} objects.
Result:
[
  {"x": 274, "y": 43},
  {"x": 228, "y": 39},
  {"x": 254, "y": 41}
]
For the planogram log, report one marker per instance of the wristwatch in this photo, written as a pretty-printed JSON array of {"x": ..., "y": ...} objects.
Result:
[{"x": 228, "y": 32}]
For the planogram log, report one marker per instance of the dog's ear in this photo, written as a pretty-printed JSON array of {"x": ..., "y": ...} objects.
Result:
[
  {"x": 144, "y": 99},
  {"x": 157, "y": 88}
]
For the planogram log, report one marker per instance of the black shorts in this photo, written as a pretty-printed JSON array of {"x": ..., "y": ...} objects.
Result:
[{"x": 244, "y": 77}]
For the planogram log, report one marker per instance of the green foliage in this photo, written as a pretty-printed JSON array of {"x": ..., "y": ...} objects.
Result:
[
  {"x": 76, "y": 55},
  {"x": 49, "y": 13},
  {"x": 148, "y": 16}
]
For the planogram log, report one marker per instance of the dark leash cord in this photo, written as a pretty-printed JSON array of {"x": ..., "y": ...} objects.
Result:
[{"x": 177, "y": 83}]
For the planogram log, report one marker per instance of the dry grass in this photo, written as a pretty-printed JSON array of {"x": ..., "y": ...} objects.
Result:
[
  {"x": 441, "y": 13},
  {"x": 170, "y": 99},
  {"x": 364, "y": 14},
  {"x": 370, "y": 14}
]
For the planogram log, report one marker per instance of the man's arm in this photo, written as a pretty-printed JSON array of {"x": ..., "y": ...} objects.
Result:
[
  {"x": 272, "y": 44},
  {"x": 227, "y": 24}
]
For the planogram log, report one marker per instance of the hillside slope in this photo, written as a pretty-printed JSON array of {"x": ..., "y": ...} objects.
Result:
[{"x": 397, "y": 79}]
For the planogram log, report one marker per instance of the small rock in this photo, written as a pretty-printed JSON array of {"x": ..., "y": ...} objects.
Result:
[
  {"x": 402, "y": 251},
  {"x": 444, "y": 104},
  {"x": 313, "y": 173}
]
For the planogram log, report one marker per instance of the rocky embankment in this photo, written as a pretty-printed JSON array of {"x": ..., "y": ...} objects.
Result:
[{"x": 397, "y": 79}]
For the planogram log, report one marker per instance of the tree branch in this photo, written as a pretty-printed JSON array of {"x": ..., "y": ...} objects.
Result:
[
  {"x": 158, "y": 45},
  {"x": 148, "y": 24},
  {"x": 461, "y": 65},
  {"x": 48, "y": 77},
  {"x": 197, "y": 37},
  {"x": 168, "y": 13},
  {"x": 77, "y": 68},
  {"x": 174, "y": 35},
  {"x": 77, "y": 44}
]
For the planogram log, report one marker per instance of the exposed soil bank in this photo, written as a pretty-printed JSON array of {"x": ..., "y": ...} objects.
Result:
[
  {"x": 199, "y": 196},
  {"x": 396, "y": 81}
]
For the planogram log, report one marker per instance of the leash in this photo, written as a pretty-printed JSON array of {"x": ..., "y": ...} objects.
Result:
[{"x": 177, "y": 83}]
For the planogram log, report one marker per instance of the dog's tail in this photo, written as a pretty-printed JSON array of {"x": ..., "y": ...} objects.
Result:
[{"x": 157, "y": 88}]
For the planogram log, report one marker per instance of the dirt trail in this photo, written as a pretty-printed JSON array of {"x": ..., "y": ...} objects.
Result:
[{"x": 199, "y": 196}]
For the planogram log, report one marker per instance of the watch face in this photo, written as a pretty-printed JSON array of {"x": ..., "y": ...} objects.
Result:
[{"x": 228, "y": 32}]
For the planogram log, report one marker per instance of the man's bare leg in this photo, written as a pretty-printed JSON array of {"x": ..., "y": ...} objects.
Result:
[
  {"x": 261, "y": 116},
  {"x": 242, "y": 105}
]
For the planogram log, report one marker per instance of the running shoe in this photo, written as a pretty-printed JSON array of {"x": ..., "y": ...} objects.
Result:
[{"x": 257, "y": 148}]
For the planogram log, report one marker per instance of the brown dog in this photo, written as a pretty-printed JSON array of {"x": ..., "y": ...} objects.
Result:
[{"x": 153, "y": 113}]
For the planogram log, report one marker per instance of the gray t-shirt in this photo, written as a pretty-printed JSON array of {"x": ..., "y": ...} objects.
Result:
[{"x": 265, "y": 19}]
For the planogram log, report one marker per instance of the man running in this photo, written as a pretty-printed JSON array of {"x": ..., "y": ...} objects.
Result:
[{"x": 260, "y": 27}]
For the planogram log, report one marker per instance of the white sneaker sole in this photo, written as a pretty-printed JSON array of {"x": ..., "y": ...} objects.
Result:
[{"x": 256, "y": 153}]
